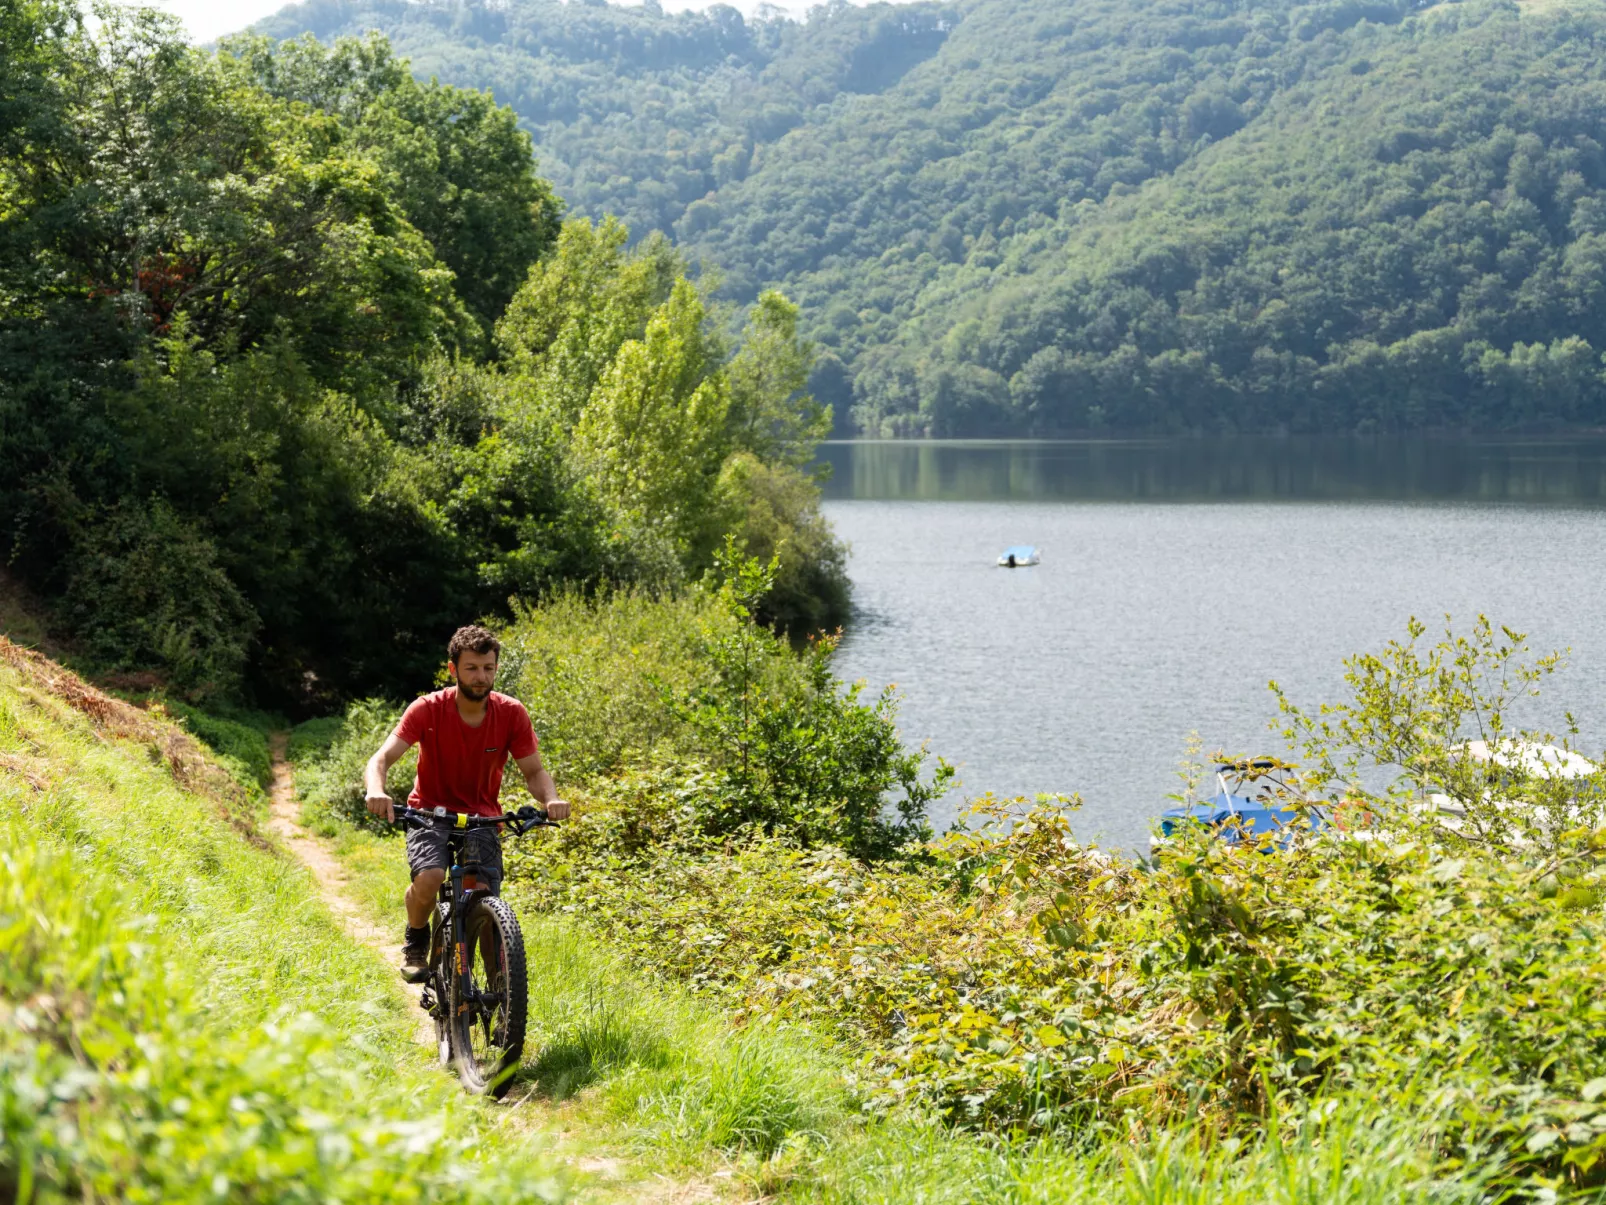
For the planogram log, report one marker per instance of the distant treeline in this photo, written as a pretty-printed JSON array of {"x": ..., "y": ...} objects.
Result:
[
  {"x": 1034, "y": 217},
  {"x": 299, "y": 369}
]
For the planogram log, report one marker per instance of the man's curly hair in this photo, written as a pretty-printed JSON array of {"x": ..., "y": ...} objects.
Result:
[{"x": 472, "y": 639}]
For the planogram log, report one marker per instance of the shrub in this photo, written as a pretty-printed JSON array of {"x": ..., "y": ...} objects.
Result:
[
  {"x": 774, "y": 512},
  {"x": 310, "y": 739},
  {"x": 331, "y": 786},
  {"x": 797, "y": 754},
  {"x": 598, "y": 674},
  {"x": 146, "y": 592}
]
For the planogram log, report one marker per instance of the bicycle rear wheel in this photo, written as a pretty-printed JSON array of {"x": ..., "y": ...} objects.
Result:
[{"x": 488, "y": 1020}]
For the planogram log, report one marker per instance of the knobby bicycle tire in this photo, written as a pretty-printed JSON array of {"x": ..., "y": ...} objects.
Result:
[{"x": 487, "y": 1047}]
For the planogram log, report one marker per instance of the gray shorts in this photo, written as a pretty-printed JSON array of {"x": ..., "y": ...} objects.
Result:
[{"x": 432, "y": 848}]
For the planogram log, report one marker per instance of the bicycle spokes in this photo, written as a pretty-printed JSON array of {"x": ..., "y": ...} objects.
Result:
[{"x": 483, "y": 1007}]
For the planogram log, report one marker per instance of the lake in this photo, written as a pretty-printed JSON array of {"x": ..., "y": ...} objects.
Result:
[{"x": 1179, "y": 577}]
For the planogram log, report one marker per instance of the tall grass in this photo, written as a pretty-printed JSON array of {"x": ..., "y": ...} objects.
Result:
[
  {"x": 181, "y": 1019},
  {"x": 672, "y": 1069},
  {"x": 1344, "y": 1154}
]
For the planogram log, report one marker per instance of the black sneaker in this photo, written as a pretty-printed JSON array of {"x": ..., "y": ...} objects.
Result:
[{"x": 415, "y": 955}]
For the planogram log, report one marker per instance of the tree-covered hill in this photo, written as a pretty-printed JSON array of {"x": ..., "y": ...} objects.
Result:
[{"x": 1025, "y": 216}]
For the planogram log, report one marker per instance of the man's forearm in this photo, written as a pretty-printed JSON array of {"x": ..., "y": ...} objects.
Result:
[
  {"x": 541, "y": 786},
  {"x": 374, "y": 776}
]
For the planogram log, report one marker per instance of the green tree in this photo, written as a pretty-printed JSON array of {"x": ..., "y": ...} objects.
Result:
[
  {"x": 653, "y": 433},
  {"x": 772, "y": 413},
  {"x": 453, "y": 160}
]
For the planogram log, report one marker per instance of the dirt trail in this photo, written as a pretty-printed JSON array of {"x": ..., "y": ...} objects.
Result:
[
  {"x": 610, "y": 1177},
  {"x": 326, "y": 869}
]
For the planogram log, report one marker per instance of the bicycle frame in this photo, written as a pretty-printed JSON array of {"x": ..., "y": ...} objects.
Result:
[{"x": 458, "y": 901}]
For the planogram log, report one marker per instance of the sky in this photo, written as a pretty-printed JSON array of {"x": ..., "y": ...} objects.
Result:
[{"x": 208, "y": 19}]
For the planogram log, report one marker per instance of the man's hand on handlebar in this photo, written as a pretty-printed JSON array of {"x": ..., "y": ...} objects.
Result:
[
  {"x": 381, "y": 806},
  {"x": 557, "y": 809}
]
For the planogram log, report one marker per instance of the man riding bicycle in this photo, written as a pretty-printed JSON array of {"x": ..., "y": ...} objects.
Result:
[{"x": 465, "y": 735}]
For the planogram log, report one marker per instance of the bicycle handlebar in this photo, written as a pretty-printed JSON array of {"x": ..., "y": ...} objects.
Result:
[{"x": 522, "y": 821}]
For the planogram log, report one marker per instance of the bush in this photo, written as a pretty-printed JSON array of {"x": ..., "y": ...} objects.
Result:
[
  {"x": 331, "y": 786},
  {"x": 598, "y": 674},
  {"x": 774, "y": 512},
  {"x": 310, "y": 739},
  {"x": 797, "y": 755},
  {"x": 146, "y": 592}
]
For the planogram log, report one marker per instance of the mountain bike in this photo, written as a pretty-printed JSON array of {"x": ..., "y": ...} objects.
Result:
[{"x": 474, "y": 982}]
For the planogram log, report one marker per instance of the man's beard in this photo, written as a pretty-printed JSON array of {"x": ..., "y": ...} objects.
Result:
[{"x": 472, "y": 695}]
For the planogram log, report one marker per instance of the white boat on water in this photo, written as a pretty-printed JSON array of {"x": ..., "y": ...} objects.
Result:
[{"x": 1019, "y": 556}]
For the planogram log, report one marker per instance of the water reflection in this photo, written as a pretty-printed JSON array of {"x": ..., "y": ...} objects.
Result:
[{"x": 1535, "y": 471}]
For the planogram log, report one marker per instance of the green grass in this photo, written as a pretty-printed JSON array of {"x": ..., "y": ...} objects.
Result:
[
  {"x": 668, "y": 1075},
  {"x": 238, "y": 738},
  {"x": 180, "y": 1017},
  {"x": 1353, "y": 1156}
]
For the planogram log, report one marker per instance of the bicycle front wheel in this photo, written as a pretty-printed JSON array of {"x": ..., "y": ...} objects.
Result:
[{"x": 488, "y": 1016}]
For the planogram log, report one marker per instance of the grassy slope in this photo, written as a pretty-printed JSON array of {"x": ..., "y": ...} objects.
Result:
[{"x": 182, "y": 1019}]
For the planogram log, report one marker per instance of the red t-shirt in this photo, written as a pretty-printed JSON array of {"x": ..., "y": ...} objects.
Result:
[{"x": 460, "y": 768}]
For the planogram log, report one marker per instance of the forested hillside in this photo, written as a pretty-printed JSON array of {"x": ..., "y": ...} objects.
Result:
[
  {"x": 298, "y": 371},
  {"x": 1038, "y": 217}
]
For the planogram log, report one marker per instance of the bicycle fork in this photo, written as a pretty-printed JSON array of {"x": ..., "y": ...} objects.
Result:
[{"x": 465, "y": 887}]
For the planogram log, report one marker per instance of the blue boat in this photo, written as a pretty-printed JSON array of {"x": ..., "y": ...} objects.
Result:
[
  {"x": 1019, "y": 556},
  {"x": 1238, "y": 817}
]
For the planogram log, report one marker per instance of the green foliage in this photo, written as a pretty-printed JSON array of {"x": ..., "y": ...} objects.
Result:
[
  {"x": 580, "y": 306},
  {"x": 311, "y": 739},
  {"x": 594, "y": 674},
  {"x": 251, "y": 444},
  {"x": 796, "y": 754},
  {"x": 1416, "y": 714},
  {"x": 616, "y": 348},
  {"x": 773, "y": 512},
  {"x": 688, "y": 696},
  {"x": 675, "y": 1074},
  {"x": 772, "y": 414},
  {"x": 653, "y": 432},
  {"x": 182, "y": 1020},
  {"x": 145, "y": 587},
  {"x": 239, "y": 739},
  {"x": 453, "y": 160},
  {"x": 331, "y": 784},
  {"x": 1018, "y": 981},
  {"x": 1011, "y": 217}
]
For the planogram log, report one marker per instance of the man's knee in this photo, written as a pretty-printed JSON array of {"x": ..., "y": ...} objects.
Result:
[{"x": 428, "y": 881}]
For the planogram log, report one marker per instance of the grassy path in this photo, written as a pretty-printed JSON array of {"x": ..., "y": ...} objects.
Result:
[
  {"x": 283, "y": 822},
  {"x": 605, "y": 1174}
]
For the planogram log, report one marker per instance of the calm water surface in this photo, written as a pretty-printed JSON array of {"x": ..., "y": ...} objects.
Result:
[{"x": 1179, "y": 578}]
